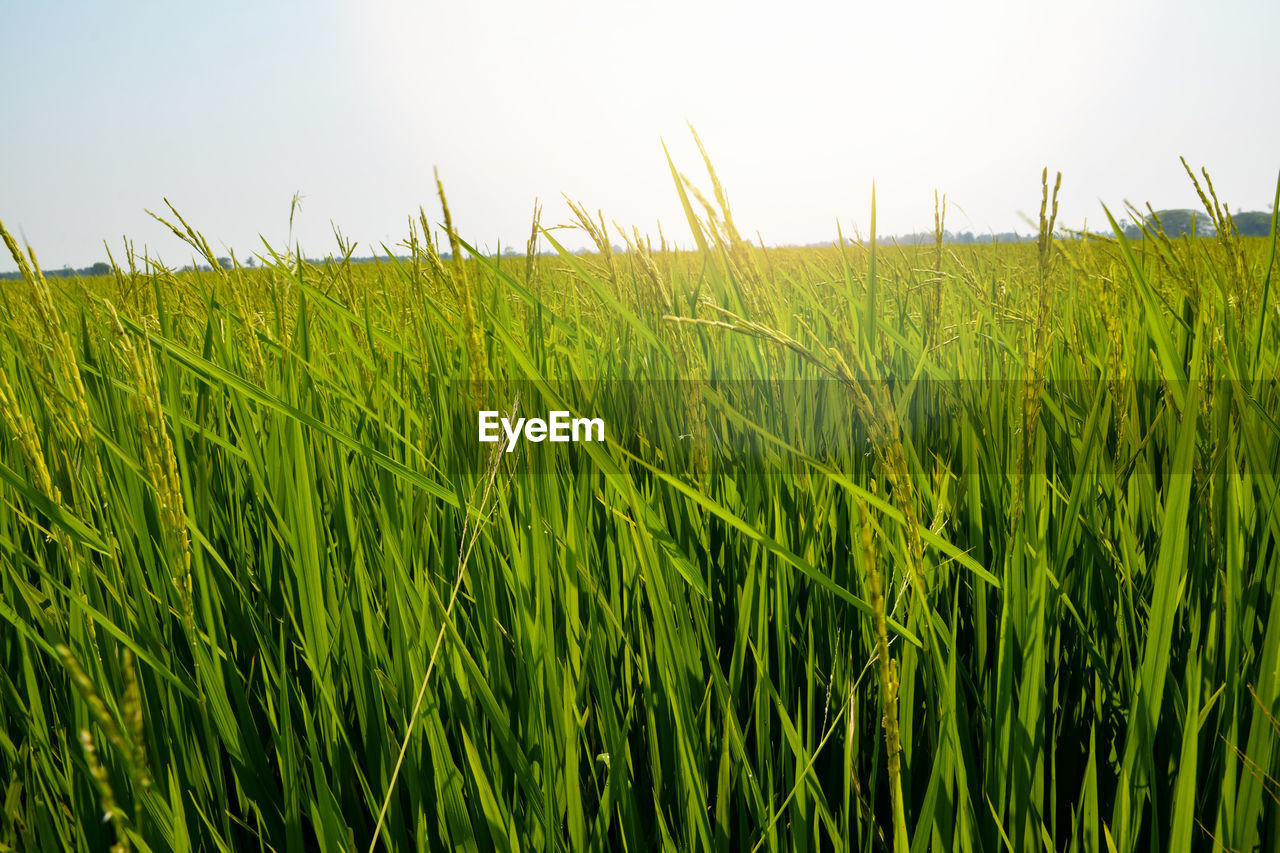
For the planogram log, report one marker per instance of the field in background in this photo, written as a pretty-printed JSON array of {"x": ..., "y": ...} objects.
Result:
[{"x": 890, "y": 548}]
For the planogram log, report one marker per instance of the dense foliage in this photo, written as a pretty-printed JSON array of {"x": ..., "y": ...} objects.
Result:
[{"x": 926, "y": 547}]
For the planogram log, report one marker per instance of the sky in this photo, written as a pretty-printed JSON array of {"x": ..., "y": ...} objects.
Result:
[{"x": 228, "y": 110}]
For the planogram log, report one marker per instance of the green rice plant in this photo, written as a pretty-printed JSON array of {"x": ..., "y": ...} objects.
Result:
[{"x": 888, "y": 547}]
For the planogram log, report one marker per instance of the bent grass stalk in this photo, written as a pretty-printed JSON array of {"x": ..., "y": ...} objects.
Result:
[{"x": 464, "y": 554}]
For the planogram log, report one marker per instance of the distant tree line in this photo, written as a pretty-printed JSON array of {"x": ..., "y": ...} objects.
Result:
[
  {"x": 1194, "y": 223},
  {"x": 100, "y": 268},
  {"x": 927, "y": 238},
  {"x": 1173, "y": 222}
]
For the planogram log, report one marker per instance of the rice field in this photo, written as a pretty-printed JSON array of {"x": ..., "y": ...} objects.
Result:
[{"x": 902, "y": 548}]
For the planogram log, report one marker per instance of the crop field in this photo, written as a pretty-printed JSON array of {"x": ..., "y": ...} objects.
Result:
[{"x": 887, "y": 547}]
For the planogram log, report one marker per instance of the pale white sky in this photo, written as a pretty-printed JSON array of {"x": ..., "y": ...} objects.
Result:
[{"x": 229, "y": 109}]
